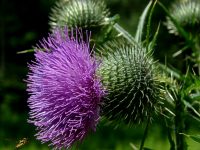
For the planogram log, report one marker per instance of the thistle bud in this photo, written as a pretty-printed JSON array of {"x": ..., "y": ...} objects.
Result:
[
  {"x": 187, "y": 14},
  {"x": 129, "y": 75},
  {"x": 79, "y": 13}
]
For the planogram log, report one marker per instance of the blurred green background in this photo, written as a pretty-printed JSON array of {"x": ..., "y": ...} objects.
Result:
[{"x": 22, "y": 24}]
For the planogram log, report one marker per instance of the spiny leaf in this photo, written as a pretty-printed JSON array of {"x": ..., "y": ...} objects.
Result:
[
  {"x": 152, "y": 44},
  {"x": 192, "y": 108},
  {"x": 149, "y": 25},
  {"x": 195, "y": 138},
  {"x": 169, "y": 70},
  {"x": 195, "y": 86},
  {"x": 138, "y": 36}
]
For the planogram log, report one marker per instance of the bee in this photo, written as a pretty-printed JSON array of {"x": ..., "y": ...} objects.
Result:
[{"x": 21, "y": 143}]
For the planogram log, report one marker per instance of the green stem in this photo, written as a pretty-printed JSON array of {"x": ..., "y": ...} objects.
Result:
[
  {"x": 171, "y": 141},
  {"x": 145, "y": 133},
  {"x": 179, "y": 125}
]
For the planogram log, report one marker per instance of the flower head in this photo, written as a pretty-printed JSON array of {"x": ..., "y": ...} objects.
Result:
[
  {"x": 64, "y": 91},
  {"x": 129, "y": 75}
]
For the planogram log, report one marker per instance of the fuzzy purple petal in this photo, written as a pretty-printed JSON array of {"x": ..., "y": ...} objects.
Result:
[{"x": 64, "y": 91}]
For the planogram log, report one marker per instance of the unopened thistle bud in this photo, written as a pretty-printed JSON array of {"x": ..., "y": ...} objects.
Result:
[
  {"x": 86, "y": 14},
  {"x": 129, "y": 76},
  {"x": 187, "y": 15}
]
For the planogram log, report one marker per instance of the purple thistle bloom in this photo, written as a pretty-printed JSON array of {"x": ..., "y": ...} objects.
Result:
[{"x": 64, "y": 91}]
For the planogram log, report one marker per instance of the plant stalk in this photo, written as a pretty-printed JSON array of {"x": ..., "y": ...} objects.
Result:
[
  {"x": 179, "y": 125},
  {"x": 172, "y": 144},
  {"x": 145, "y": 134}
]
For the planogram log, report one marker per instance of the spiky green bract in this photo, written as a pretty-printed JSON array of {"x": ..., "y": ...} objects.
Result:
[
  {"x": 187, "y": 14},
  {"x": 78, "y": 13},
  {"x": 129, "y": 75}
]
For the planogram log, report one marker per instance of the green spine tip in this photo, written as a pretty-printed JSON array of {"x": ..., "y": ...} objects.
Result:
[{"x": 129, "y": 75}]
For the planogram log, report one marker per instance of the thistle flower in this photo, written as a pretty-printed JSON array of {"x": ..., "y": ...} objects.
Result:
[
  {"x": 64, "y": 91},
  {"x": 187, "y": 14},
  {"x": 129, "y": 75},
  {"x": 79, "y": 13}
]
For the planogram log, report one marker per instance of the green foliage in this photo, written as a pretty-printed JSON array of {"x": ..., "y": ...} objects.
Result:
[
  {"x": 128, "y": 70},
  {"x": 196, "y": 138},
  {"x": 138, "y": 36}
]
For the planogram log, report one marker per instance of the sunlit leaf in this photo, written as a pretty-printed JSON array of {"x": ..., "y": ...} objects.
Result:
[{"x": 195, "y": 138}]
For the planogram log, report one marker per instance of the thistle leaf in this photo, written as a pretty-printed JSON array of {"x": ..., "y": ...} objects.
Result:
[
  {"x": 139, "y": 31},
  {"x": 152, "y": 44},
  {"x": 188, "y": 105},
  {"x": 195, "y": 138},
  {"x": 149, "y": 27}
]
